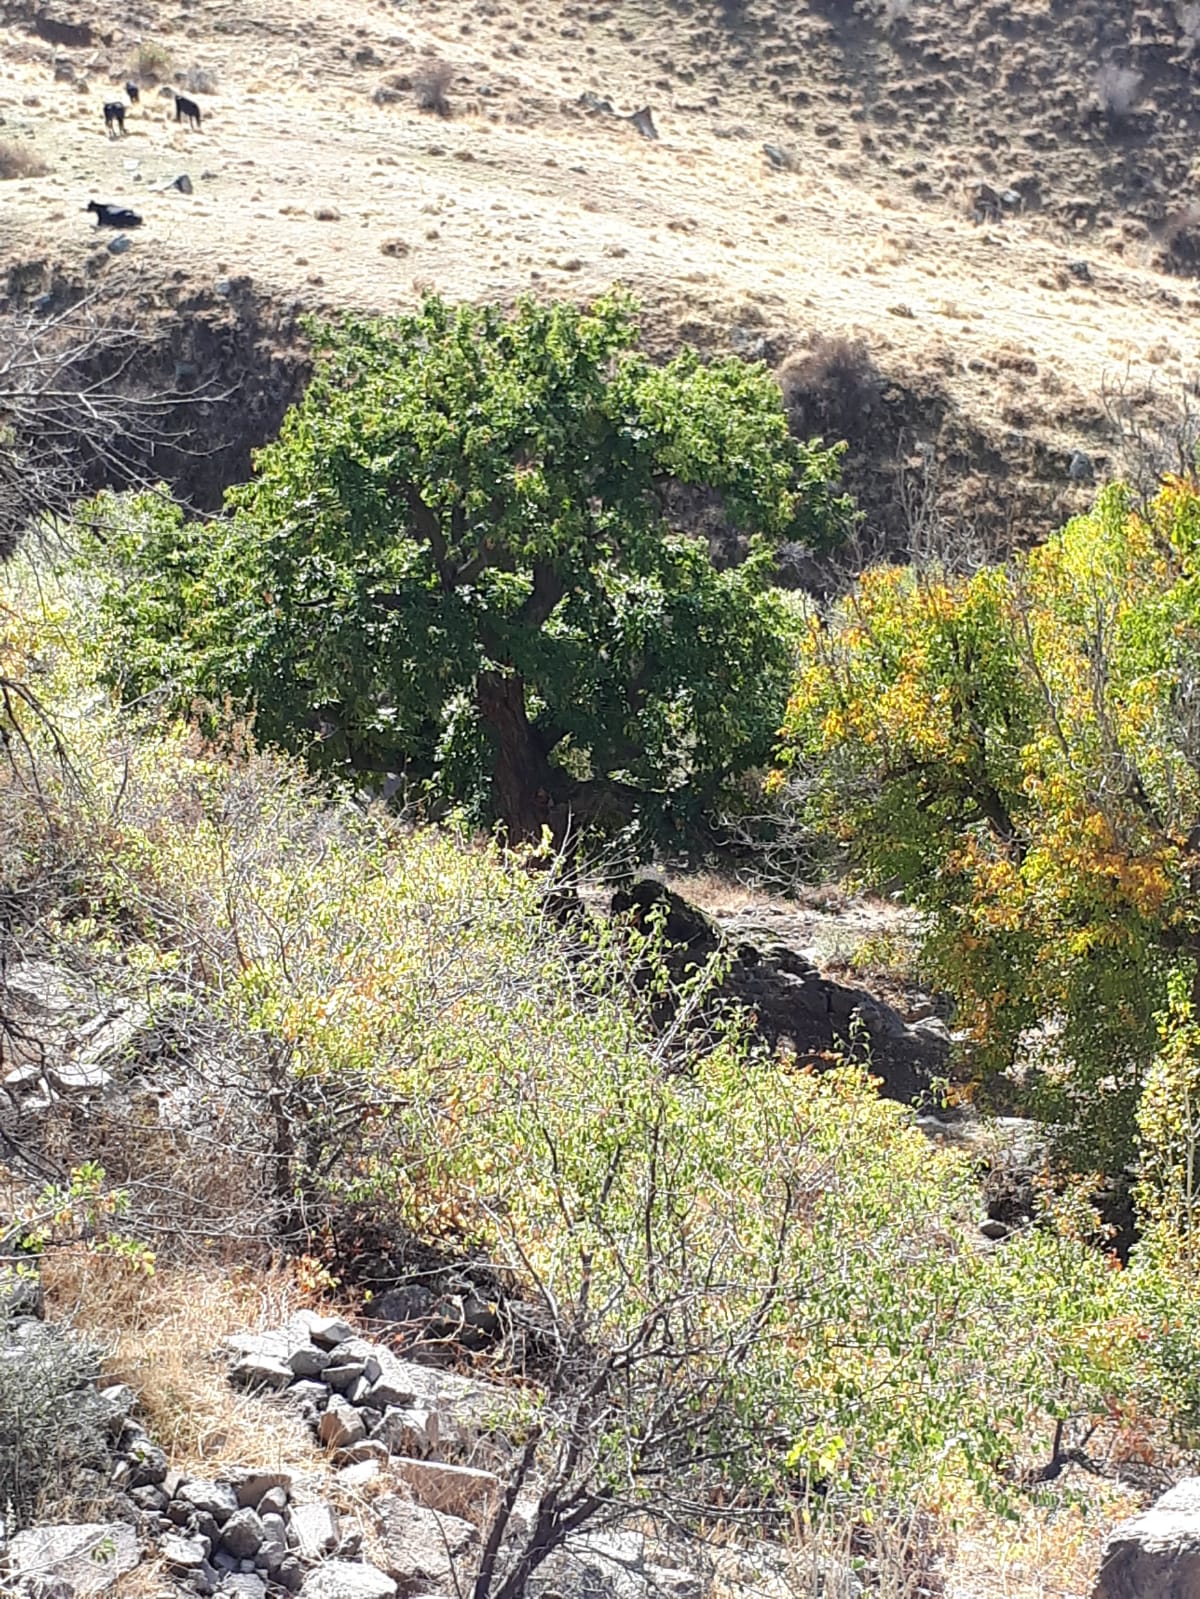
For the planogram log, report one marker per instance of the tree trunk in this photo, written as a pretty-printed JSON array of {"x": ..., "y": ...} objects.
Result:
[{"x": 523, "y": 780}]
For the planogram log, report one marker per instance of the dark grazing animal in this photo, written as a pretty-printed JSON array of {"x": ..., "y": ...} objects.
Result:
[
  {"x": 114, "y": 117},
  {"x": 187, "y": 108},
  {"x": 114, "y": 216},
  {"x": 134, "y": 93}
]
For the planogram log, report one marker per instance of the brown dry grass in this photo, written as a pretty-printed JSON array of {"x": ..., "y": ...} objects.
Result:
[
  {"x": 164, "y": 1335},
  {"x": 19, "y": 161}
]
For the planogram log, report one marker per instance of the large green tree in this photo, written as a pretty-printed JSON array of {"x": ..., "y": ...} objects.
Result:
[{"x": 457, "y": 563}]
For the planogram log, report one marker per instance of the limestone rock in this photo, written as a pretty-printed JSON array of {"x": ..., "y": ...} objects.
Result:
[
  {"x": 347, "y": 1579},
  {"x": 1155, "y": 1555},
  {"x": 314, "y": 1530},
  {"x": 457, "y": 1490},
  {"x": 243, "y": 1534},
  {"x": 87, "y": 1557},
  {"x": 417, "y": 1546},
  {"x": 341, "y": 1425},
  {"x": 216, "y": 1499}
]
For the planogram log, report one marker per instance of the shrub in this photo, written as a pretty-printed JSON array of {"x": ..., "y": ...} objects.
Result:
[
  {"x": 1117, "y": 89},
  {"x": 53, "y": 1444},
  {"x": 431, "y": 79},
  {"x": 151, "y": 62},
  {"x": 19, "y": 161},
  {"x": 831, "y": 390},
  {"x": 199, "y": 80}
]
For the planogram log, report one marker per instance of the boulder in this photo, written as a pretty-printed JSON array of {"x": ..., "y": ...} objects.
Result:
[
  {"x": 309, "y": 1361},
  {"x": 243, "y": 1534},
  {"x": 417, "y": 1546},
  {"x": 325, "y": 1331},
  {"x": 341, "y": 1425},
  {"x": 85, "y": 1558},
  {"x": 408, "y": 1432},
  {"x": 183, "y": 1553},
  {"x": 1155, "y": 1555},
  {"x": 457, "y": 1490},
  {"x": 347, "y": 1579},
  {"x": 216, "y": 1499},
  {"x": 313, "y": 1531}
]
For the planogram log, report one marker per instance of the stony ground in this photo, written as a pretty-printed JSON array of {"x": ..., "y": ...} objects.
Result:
[{"x": 993, "y": 352}]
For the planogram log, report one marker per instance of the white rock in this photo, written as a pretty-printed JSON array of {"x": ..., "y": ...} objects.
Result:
[
  {"x": 347, "y": 1579},
  {"x": 417, "y": 1546},
  {"x": 1155, "y": 1555},
  {"x": 90, "y": 1556},
  {"x": 313, "y": 1530}
]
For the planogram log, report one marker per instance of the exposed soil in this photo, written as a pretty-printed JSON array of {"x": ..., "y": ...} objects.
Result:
[{"x": 994, "y": 352}]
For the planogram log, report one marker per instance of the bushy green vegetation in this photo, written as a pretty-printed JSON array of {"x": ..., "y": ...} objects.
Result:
[
  {"x": 724, "y": 1278},
  {"x": 457, "y": 564},
  {"x": 781, "y": 1273},
  {"x": 1018, "y": 749}
]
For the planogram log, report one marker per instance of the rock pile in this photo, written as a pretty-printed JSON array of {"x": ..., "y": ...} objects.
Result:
[{"x": 368, "y": 1407}]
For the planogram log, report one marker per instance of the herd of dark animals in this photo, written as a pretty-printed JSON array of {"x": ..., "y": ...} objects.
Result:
[{"x": 120, "y": 216}]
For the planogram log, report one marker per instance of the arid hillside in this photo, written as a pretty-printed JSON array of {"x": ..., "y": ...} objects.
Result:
[{"x": 812, "y": 197}]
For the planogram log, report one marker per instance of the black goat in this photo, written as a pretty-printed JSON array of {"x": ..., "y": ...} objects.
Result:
[
  {"x": 114, "y": 117},
  {"x": 187, "y": 108},
  {"x": 134, "y": 93},
  {"x": 114, "y": 216}
]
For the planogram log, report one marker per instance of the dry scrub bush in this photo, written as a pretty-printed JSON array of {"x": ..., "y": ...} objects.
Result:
[
  {"x": 831, "y": 389},
  {"x": 159, "y": 1334},
  {"x": 19, "y": 161},
  {"x": 431, "y": 80},
  {"x": 151, "y": 62},
  {"x": 53, "y": 1448},
  {"x": 1117, "y": 89},
  {"x": 200, "y": 80}
]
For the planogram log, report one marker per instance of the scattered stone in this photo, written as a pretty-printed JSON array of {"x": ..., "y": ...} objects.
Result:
[
  {"x": 151, "y": 1498},
  {"x": 409, "y": 1303},
  {"x": 290, "y": 1574},
  {"x": 313, "y": 1531},
  {"x": 93, "y": 1079},
  {"x": 995, "y": 1230},
  {"x": 360, "y": 1475},
  {"x": 308, "y": 1361},
  {"x": 1080, "y": 270},
  {"x": 325, "y": 1331},
  {"x": 217, "y": 1499},
  {"x": 85, "y": 1558},
  {"x": 327, "y": 213},
  {"x": 342, "y": 1376},
  {"x": 148, "y": 1463},
  {"x": 262, "y": 1371},
  {"x": 457, "y": 1490},
  {"x": 183, "y": 183},
  {"x": 365, "y": 1449},
  {"x": 778, "y": 157},
  {"x": 246, "y": 1585},
  {"x": 1155, "y": 1555},
  {"x": 273, "y": 1502},
  {"x": 408, "y": 1432},
  {"x": 347, "y": 1579},
  {"x": 417, "y": 1546},
  {"x": 252, "y": 1488},
  {"x": 243, "y": 1534},
  {"x": 1080, "y": 468},
  {"x": 341, "y": 1425},
  {"x": 185, "y": 1553}
]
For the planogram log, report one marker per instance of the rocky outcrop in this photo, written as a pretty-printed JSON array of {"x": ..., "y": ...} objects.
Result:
[
  {"x": 1155, "y": 1555},
  {"x": 793, "y": 1004}
]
